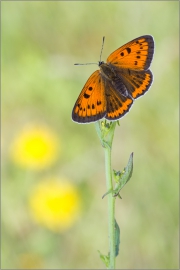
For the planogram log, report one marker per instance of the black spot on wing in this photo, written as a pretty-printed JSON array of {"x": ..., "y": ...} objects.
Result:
[
  {"x": 86, "y": 95},
  {"x": 128, "y": 50}
]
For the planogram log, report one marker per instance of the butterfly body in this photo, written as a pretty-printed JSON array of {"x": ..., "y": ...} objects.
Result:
[
  {"x": 110, "y": 91},
  {"x": 107, "y": 71}
]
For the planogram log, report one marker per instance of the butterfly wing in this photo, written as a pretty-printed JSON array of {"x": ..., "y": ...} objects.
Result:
[
  {"x": 91, "y": 104},
  {"x": 136, "y": 54},
  {"x": 131, "y": 62},
  {"x": 136, "y": 82},
  {"x": 117, "y": 104}
]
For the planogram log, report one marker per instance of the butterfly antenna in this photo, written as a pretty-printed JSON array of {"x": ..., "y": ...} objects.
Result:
[
  {"x": 102, "y": 48},
  {"x": 77, "y": 64}
]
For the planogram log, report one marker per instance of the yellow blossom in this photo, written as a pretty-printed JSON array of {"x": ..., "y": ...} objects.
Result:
[
  {"x": 55, "y": 204},
  {"x": 35, "y": 147}
]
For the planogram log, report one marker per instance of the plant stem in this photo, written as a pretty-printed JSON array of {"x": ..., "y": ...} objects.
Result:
[
  {"x": 105, "y": 133},
  {"x": 111, "y": 207}
]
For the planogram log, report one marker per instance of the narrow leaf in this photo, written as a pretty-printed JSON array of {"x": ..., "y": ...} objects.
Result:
[
  {"x": 117, "y": 238},
  {"x": 124, "y": 176},
  {"x": 104, "y": 258},
  {"x": 110, "y": 191}
]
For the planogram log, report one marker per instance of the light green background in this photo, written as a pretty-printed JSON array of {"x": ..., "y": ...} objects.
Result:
[{"x": 41, "y": 41}]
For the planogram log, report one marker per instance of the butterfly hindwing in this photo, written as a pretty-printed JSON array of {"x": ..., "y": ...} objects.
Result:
[
  {"x": 136, "y": 54},
  {"x": 117, "y": 104},
  {"x": 136, "y": 82},
  {"x": 91, "y": 104}
]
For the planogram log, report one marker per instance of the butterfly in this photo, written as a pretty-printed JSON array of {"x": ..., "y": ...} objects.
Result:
[{"x": 110, "y": 91}]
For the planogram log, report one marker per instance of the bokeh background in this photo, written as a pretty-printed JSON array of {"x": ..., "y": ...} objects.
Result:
[{"x": 53, "y": 169}]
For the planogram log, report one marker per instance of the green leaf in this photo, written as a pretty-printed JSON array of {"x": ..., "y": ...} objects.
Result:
[
  {"x": 105, "y": 259},
  {"x": 122, "y": 178},
  {"x": 117, "y": 238},
  {"x": 110, "y": 191}
]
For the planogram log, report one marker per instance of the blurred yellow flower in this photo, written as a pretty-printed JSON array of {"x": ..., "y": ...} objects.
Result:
[
  {"x": 35, "y": 147},
  {"x": 55, "y": 204}
]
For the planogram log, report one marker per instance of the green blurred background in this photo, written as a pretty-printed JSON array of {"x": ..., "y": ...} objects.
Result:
[{"x": 41, "y": 41}]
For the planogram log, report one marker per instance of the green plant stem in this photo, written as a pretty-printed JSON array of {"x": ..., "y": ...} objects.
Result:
[
  {"x": 105, "y": 133},
  {"x": 111, "y": 207}
]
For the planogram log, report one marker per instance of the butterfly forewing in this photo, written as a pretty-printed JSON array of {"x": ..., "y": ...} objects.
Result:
[
  {"x": 136, "y": 54},
  {"x": 91, "y": 104}
]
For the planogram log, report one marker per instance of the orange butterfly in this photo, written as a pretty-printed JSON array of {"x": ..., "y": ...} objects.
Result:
[{"x": 110, "y": 91}]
